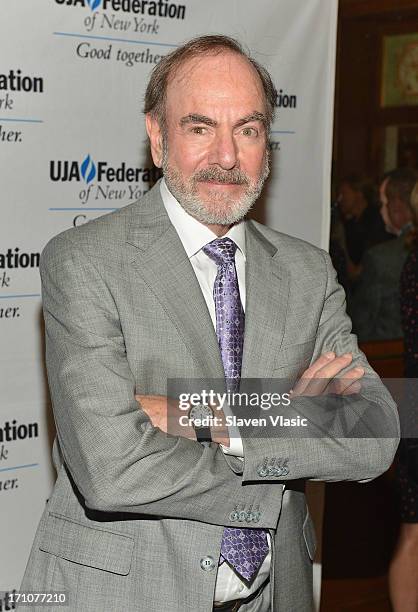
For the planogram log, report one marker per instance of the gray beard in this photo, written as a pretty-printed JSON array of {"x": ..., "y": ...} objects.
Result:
[{"x": 221, "y": 210}]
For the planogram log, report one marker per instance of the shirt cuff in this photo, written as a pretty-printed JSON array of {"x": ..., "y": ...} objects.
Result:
[{"x": 235, "y": 446}]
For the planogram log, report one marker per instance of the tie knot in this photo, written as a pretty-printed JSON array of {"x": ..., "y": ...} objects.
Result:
[{"x": 221, "y": 250}]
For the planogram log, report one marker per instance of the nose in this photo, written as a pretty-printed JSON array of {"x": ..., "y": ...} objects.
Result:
[{"x": 224, "y": 151}]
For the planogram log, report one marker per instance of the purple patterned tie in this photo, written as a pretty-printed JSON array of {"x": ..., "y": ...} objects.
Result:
[{"x": 244, "y": 549}]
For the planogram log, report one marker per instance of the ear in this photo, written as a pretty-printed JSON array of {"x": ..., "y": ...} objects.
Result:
[{"x": 156, "y": 139}]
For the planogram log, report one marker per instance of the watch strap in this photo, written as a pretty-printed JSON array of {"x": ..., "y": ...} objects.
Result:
[{"x": 203, "y": 434}]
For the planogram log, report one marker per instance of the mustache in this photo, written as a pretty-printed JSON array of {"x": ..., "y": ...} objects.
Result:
[{"x": 216, "y": 175}]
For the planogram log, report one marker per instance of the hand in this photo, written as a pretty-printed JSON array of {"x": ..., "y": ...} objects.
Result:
[
  {"x": 321, "y": 377},
  {"x": 165, "y": 414},
  {"x": 157, "y": 407}
]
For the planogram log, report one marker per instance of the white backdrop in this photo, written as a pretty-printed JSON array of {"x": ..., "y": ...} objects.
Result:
[{"x": 72, "y": 79}]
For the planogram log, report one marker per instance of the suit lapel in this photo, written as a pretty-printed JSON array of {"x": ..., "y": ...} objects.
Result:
[
  {"x": 267, "y": 290},
  {"x": 160, "y": 259},
  {"x": 162, "y": 262}
]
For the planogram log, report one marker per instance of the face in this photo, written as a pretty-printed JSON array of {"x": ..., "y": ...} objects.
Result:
[
  {"x": 384, "y": 212},
  {"x": 393, "y": 213},
  {"x": 347, "y": 199},
  {"x": 214, "y": 149},
  {"x": 398, "y": 212}
]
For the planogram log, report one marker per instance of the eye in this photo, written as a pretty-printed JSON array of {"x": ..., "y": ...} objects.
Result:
[
  {"x": 250, "y": 131},
  {"x": 199, "y": 130}
]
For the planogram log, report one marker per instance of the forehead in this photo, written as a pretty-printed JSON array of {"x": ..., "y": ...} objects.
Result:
[{"x": 221, "y": 83}]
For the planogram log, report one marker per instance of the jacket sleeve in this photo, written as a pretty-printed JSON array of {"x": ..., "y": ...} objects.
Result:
[
  {"x": 330, "y": 454},
  {"x": 118, "y": 460}
]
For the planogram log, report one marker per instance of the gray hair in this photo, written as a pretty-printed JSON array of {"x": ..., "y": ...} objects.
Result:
[{"x": 156, "y": 92}]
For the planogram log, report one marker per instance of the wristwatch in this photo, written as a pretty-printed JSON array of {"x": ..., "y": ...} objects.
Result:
[{"x": 200, "y": 412}]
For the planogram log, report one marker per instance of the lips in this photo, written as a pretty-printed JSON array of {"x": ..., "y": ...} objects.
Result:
[{"x": 217, "y": 182}]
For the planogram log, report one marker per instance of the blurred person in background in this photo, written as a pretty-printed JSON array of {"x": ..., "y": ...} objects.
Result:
[
  {"x": 363, "y": 224},
  {"x": 384, "y": 204},
  {"x": 338, "y": 248},
  {"x": 375, "y": 303},
  {"x": 337, "y": 245},
  {"x": 403, "y": 574}
]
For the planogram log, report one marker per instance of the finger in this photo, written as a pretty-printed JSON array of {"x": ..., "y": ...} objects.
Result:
[
  {"x": 335, "y": 366},
  {"x": 353, "y": 373},
  {"x": 350, "y": 378},
  {"x": 318, "y": 383},
  {"x": 339, "y": 385},
  {"x": 154, "y": 398},
  {"x": 149, "y": 401},
  {"x": 155, "y": 413},
  {"x": 355, "y": 387},
  {"x": 314, "y": 386},
  {"x": 319, "y": 363}
]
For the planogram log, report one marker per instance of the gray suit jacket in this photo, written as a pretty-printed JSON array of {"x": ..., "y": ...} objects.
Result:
[{"x": 136, "y": 517}]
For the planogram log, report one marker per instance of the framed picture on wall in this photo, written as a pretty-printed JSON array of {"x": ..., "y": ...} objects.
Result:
[
  {"x": 400, "y": 148},
  {"x": 400, "y": 70}
]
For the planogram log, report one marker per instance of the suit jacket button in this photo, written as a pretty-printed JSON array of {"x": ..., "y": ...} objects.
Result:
[
  {"x": 285, "y": 470},
  {"x": 207, "y": 564},
  {"x": 262, "y": 471}
]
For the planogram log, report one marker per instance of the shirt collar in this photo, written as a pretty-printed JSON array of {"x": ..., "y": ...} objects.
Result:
[
  {"x": 193, "y": 234},
  {"x": 405, "y": 229}
]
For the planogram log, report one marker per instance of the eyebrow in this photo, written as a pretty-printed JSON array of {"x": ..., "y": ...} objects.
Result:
[
  {"x": 196, "y": 118},
  {"x": 255, "y": 116}
]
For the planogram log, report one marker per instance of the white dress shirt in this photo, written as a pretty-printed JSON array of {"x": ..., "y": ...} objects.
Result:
[{"x": 194, "y": 236}]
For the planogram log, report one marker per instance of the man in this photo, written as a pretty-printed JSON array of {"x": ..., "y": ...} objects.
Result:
[
  {"x": 362, "y": 222},
  {"x": 141, "y": 520},
  {"x": 375, "y": 307}
]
